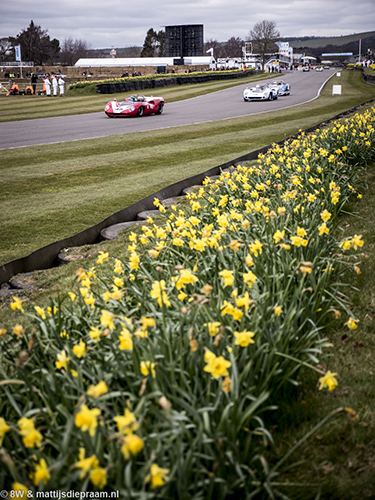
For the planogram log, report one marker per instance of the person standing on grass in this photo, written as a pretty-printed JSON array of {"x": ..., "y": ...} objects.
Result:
[
  {"x": 54, "y": 86},
  {"x": 47, "y": 82},
  {"x": 61, "y": 86},
  {"x": 33, "y": 82}
]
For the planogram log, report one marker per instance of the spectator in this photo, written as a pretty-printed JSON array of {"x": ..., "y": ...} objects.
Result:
[
  {"x": 61, "y": 83},
  {"x": 33, "y": 82}
]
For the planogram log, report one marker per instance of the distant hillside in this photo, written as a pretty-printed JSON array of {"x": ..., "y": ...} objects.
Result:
[{"x": 307, "y": 42}]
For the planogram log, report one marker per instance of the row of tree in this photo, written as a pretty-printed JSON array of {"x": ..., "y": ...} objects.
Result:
[{"x": 37, "y": 47}]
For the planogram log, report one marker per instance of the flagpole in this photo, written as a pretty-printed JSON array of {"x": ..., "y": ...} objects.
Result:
[{"x": 359, "y": 54}]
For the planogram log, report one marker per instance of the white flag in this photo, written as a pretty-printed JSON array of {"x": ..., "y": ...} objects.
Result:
[{"x": 17, "y": 49}]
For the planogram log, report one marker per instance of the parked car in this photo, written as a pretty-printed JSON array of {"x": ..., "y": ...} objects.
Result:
[
  {"x": 41, "y": 75},
  {"x": 135, "y": 105},
  {"x": 281, "y": 87},
  {"x": 260, "y": 93}
]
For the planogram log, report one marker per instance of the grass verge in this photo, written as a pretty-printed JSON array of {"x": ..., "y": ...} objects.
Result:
[{"x": 53, "y": 191}]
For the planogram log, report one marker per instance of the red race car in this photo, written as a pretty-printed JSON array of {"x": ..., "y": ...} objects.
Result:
[{"x": 135, "y": 105}]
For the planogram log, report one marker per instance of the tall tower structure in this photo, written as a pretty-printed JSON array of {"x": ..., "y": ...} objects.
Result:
[{"x": 184, "y": 40}]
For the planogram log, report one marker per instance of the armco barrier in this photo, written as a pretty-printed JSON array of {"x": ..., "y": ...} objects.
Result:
[
  {"x": 47, "y": 257},
  {"x": 113, "y": 88}
]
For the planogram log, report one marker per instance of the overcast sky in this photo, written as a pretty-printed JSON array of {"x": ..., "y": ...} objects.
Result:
[{"x": 124, "y": 23}]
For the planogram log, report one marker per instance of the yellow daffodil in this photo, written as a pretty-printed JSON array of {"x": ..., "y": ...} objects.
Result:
[
  {"x": 328, "y": 380},
  {"x": 16, "y": 304},
  {"x": 228, "y": 277},
  {"x": 148, "y": 368},
  {"x": 80, "y": 349},
  {"x": 132, "y": 445},
  {"x": 95, "y": 391},
  {"x": 62, "y": 360},
  {"x": 41, "y": 473},
  {"x": 244, "y": 338},
  {"x": 86, "y": 419},
  {"x": 157, "y": 476},
  {"x": 4, "y": 428},
  {"x": 127, "y": 423},
  {"x": 98, "y": 477},
  {"x": 217, "y": 366},
  {"x": 31, "y": 437},
  {"x": 86, "y": 464}
]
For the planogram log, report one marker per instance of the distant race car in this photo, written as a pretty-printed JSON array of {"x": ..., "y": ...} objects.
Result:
[
  {"x": 319, "y": 68},
  {"x": 260, "y": 93},
  {"x": 135, "y": 105},
  {"x": 281, "y": 87}
]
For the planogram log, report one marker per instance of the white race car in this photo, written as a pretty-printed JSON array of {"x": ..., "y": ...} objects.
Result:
[
  {"x": 281, "y": 87},
  {"x": 259, "y": 93}
]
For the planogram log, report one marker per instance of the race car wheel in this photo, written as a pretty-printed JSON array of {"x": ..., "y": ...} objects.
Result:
[
  {"x": 270, "y": 96},
  {"x": 140, "y": 111},
  {"x": 160, "y": 109}
]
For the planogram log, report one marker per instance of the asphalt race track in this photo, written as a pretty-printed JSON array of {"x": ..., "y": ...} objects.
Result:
[{"x": 225, "y": 104}]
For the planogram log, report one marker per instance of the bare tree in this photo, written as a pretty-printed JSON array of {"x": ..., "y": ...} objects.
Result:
[
  {"x": 263, "y": 37},
  {"x": 217, "y": 46},
  {"x": 233, "y": 47},
  {"x": 72, "y": 50},
  {"x": 5, "y": 49}
]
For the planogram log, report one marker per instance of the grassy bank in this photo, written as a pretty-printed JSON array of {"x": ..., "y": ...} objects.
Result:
[
  {"x": 53, "y": 191},
  {"x": 214, "y": 320}
]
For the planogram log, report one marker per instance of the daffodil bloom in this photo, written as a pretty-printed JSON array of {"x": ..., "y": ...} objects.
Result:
[
  {"x": 20, "y": 490},
  {"x": 213, "y": 327},
  {"x": 328, "y": 380},
  {"x": 132, "y": 445},
  {"x": 18, "y": 330},
  {"x": 4, "y": 428},
  {"x": 159, "y": 294},
  {"x": 227, "y": 276},
  {"x": 217, "y": 366},
  {"x": 249, "y": 278},
  {"x": 157, "y": 476},
  {"x": 186, "y": 278},
  {"x": 2, "y": 331},
  {"x": 325, "y": 215},
  {"x": 41, "y": 473},
  {"x": 256, "y": 248},
  {"x": 95, "y": 333},
  {"x": 98, "y": 477},
  {"x": 352, "y": 323},
  {"x": 134, "y": 260},
  {"x": 80, "y": 349},
  {"x": 86, "y": 464},
  {"x": 227, "y": 384},
  {"x": 62, "y": 360},
  {"x": 95, "y": 391},
  {"x": 16, "y": 304},
  {"x": 148, "y": 368},
  {"x": 118, "y": 266},
  {"x": 86, "y": 419},
  {"x": 31, "y": 437},
  {"x": 278, "y": 236},
  {"x": 103, "y": 257},
  {"x": 127, "y": 423},
  {"x": 126, "y": 341},
  {"x": 40, "y": 312},
  {"x": 244, "y": 338},
  {"x": 277, "y": 310},
  {"x": 229, "y": 308},
  {"x": 147, "y": 322},
  {"x": 323, "y": 229},
  {"x": 106, "y": 319},
  {"x": 244, "y": 301},
  {"x": 357, "y": 241}
]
